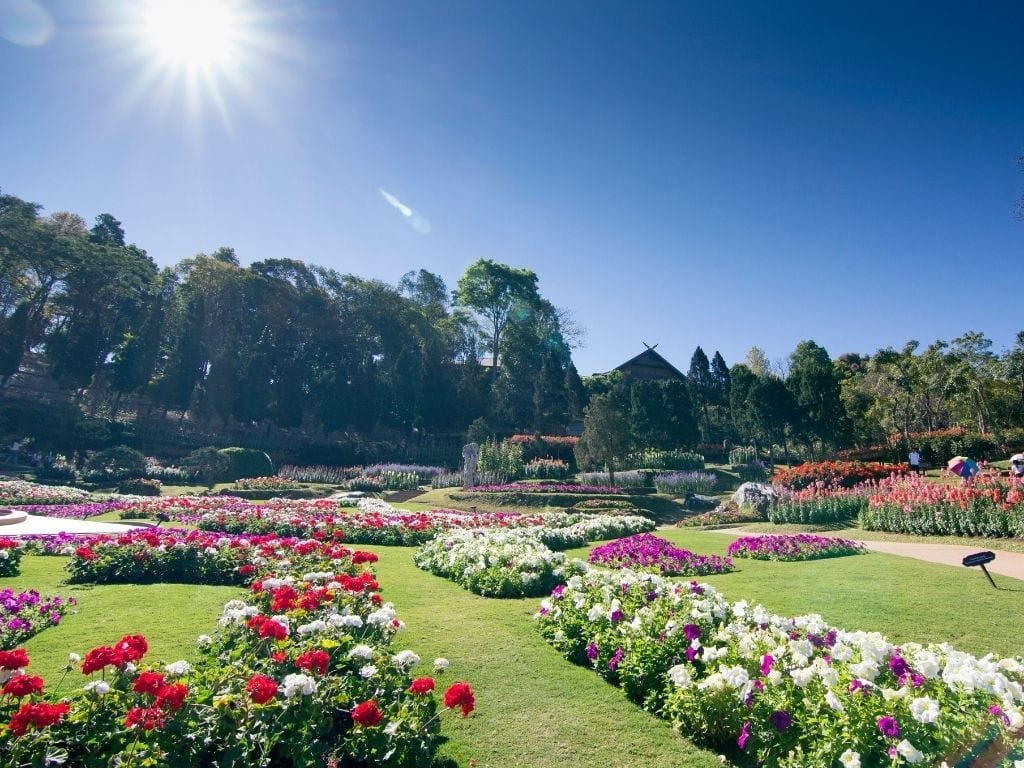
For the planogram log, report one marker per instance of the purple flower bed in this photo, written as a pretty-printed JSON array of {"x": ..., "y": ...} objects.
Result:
[
  {"x": 76, "y": 511},
  {"x": 647, "y": 552},
  {"x": 546, "y": 488},
  {"x": 799, "y": 546},
  {"x": 23, "y": 614}
]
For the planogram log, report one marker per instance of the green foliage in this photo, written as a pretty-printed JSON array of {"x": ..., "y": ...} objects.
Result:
[
  {"x": 139, "y": 486},
  {"x": 209, "y": 464},
  {"x": 817, "y": 510},
  {"x": 606, "y": 434},
  {"x": 117, "y": 463},
  {"x": 655, "y": 459},
  {"x": 742, "y": 454},
  {"x": 504, "y": 459},
  {"x": 246, "y": 462}
]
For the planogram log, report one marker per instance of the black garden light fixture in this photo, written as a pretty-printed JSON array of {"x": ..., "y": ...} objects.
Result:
[{"x": 979, "y": 559}]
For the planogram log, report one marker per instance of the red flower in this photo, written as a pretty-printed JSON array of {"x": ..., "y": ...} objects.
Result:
[
  {"x": 148, "y": 682},
  {"x": 40, "y": 715},
  {"x": 367, "y": 713},
  {"x": 316, "y": 661},
  {"x": 147, "y": 718},
  {"x": 132, "y": 647},
  {"x": 101, "y": 657},
  {"x": 85, "y": 553},
  {"x": 422, "y": 685},
  {"x": 15, "y": 659},
  {"x": 279, "y": 657},
  {"x": 23, "y": 685},
  {"x": 261, "y": 688},
  {"x": 459, "y": 695},
  {"x": 171, "y": 697},
  {"x": 283, "y": 599}
]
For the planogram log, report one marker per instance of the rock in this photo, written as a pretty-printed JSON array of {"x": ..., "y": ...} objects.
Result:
[
  {"x": 756, "y": 495},
  {"x": 699, "y": 503}
]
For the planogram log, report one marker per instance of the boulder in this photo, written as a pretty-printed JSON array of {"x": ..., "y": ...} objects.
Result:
[
  {"x": 699, "y": 503},
  {"x": 756, "y": 495}
]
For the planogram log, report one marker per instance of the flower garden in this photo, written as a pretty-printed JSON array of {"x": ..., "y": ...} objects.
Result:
[{"x": 309, "y": 655}]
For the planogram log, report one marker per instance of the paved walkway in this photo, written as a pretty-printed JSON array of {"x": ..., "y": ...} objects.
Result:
[
  {"x": 39, "y": 524},
  {"x": 1006, "y": 563}
]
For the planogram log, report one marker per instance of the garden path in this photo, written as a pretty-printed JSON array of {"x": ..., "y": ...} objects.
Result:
[{"x": 34, "y": 524}]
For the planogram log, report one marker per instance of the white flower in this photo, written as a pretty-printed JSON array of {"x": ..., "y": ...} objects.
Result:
[
  {"x": 924, "y": 710},
  {"x": 74, "y": 658},
  {"x": 204, "y": 640},
  {"x": 833, "y": 701},
  {"x": 295, "y": 684},
  {"x": 368, "y": 671},
  {"x": 314, "y": 626},
  {"x": 850, "y": 759},
  {"x": 802, "y": 676},
  {"x": 392, "y": 728},
  {"x": 361, "y": 652},
  {"x": 909, "y": 751},
  {"x": 97, "y": 687},
  {"x": 405, "y": 659},
  {"x": 440, "y": 664},
  {"x": 178, "y": 668},
  {"x": 889, "y": 694},
  {"x": 680, "y": 676}
]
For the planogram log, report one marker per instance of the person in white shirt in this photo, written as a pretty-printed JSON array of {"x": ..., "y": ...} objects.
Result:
[{"x": 915, "y": 461}]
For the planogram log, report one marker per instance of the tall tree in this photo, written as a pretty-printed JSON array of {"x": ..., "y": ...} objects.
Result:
[
  {"x": 815, "y": 388},
  {"x": 606, "y": 435},
  {"x": 698, "y": 377},
  {"x": 497, "y": 293}
]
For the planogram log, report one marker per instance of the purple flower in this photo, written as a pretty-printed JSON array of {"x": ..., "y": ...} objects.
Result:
[
  {"x": 898, "y": 665},
  {"x": 692, "y": 631},
  {"x": 615, "y": 616},
  {"x": 780, "y": 720},
  {"x": 889, "y": 727},
  {"x": 592, "y": 651},
  {"x": 741, "y": 742},
  {"x": 557, "y": 591},
  {"x": 613, "y": 662},
  {"x": 766, "y": 663}
]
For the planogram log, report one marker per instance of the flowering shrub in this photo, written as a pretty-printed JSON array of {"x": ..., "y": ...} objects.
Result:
[
  {"x": 988, "y": 506},
  {"x": 819, "y": 503},
  {"x": 494, "y": 563},
  {"x": 23, "y": 614},
  {"x": 139, "y": 486},
  {"x": 567, "y": 530},
  {"x": 785, "y": 692},
  {"x": 684, "y": 483},
  {"x": 646, "y": 552},
  {"x": 184, "y": 557},
  {"x": 304, "y": 669},
  {"x": 656, "y": 459},
  {"x": 742, "y": 454},
  {"x": 553, "y": 469},
  {"x": 801, "y": 546},
  {"x": 721, "y": 516},
  {"x": 10, "y": 556},
  {"x": 593, "y": 505},
  {"x": 842, "y": 473},
  {"x": 274, "y": 483},
  {"x": 633, "y": 478},
  {"x": 14, "y": 492},
  {"x": 545, "y": 488}
]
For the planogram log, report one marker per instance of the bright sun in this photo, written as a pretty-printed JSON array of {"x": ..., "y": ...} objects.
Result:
[{"x": 191, "y": 33}]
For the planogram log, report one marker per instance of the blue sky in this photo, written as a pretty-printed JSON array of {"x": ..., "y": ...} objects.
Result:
[{"x": 722, "y": 174}]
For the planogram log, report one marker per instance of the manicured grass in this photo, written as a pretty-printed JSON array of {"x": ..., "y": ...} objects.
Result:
[{"x": 170, "y": 616}]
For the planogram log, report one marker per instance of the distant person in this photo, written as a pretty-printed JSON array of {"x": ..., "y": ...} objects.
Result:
[
  {"x": 1017, "y": 466},
  {"x": 915, "y": 462},
  {"x": 12, "y": 454},
  {"x": 970, "y": 470}
]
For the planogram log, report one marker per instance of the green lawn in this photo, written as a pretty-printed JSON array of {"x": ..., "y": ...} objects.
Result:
[{"x": 533, "y": 707}]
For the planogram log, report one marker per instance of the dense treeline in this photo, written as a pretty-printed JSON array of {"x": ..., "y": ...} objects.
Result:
[
  {"x": 280, "y": 341},
  {"x": 299, "y": 346}
]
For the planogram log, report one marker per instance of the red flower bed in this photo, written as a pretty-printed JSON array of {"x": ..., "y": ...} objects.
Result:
[{"x": 846, "y": 474}]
